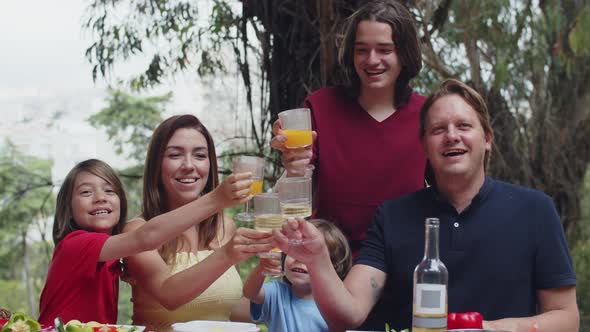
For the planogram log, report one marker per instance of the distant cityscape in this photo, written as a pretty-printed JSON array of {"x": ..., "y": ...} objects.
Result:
[{"x": 55, "y": 125}]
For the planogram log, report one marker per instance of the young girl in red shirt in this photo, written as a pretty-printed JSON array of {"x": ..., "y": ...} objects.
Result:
[{"x": 91, "y": 211}]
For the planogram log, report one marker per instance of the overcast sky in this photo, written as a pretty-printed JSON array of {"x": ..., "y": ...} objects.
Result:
[
  {"x": 42, "y": 40},
  {"x": 43, "y": 71}
]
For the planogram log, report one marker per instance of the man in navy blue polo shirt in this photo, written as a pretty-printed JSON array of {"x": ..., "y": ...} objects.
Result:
[{"x": 503, "y": 245}]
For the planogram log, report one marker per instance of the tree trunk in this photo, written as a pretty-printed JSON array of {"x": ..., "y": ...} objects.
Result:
[{"x": 301, "y": 38}]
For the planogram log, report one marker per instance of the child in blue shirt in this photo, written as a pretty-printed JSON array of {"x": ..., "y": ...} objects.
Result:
[{"x": 288, "y": 305}]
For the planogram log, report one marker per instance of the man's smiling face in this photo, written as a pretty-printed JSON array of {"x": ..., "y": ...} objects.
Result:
[{"x": 454, "y": 140}]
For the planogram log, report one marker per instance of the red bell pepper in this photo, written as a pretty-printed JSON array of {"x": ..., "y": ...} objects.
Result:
[{"x": 464, "y": 320}]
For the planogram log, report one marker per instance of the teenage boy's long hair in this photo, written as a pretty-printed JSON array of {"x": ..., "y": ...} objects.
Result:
[{"x": 405, "y": 40}]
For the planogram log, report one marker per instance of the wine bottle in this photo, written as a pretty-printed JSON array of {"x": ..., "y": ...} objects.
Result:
[{"x": 429, "y": 312}]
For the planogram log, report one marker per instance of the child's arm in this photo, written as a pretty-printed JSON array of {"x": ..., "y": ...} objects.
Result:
[
  {"x": 253, "y": 290},
  {"x": 240, "y": 312},
  {"x": 160, "y": 229},
  {"x": 253, "y": 286},
  {"x": 150, "y": 272}
]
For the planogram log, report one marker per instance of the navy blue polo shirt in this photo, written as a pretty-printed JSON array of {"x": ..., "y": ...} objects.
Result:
[{"x": 499, "y": 251}]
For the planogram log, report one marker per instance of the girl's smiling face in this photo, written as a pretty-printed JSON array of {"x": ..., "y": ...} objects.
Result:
[{"x": 95, "y": 204}]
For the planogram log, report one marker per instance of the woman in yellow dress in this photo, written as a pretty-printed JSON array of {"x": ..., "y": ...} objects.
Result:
[{"x": 194, "y": 276}]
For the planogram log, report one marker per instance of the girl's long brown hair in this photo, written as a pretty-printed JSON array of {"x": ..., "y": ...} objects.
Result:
[
  {"x": 154, "y": 194},
  {"x": 63, "y": 221}
]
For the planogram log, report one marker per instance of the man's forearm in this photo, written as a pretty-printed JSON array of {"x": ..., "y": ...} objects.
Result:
[
  {"x": 334, "y": 300},
  {"x": 562, "y": 320}
]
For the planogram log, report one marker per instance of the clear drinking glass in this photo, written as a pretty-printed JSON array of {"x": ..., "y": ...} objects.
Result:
[
  {"x": 255, "y": 165},
  {"x": 308, "y": 171},
  {"x": 295, "y": 197},
  {"x": 267, "y": 212},
  {"x": 296, "y": 125}
]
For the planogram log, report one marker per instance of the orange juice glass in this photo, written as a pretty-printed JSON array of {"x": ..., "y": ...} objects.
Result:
[
  {"x": 296, "y": 125},
  {"x": 297, "y": 138},
  {"x": 256, "y": 187},
  {"x": 255, "y": 165}
]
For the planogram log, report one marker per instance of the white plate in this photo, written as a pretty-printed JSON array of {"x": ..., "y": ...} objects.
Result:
[{"x": 214, "y": 326}]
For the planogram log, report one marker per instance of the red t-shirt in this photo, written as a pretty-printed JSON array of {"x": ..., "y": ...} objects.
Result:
[
  {"x": 361, "y": 162},
  {"x": 78, "y": 286}
]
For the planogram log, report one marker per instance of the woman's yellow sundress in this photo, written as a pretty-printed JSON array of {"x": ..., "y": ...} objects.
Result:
[{"x": 215, "y": 303}]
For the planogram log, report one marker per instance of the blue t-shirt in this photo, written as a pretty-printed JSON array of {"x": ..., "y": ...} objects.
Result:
[
  {"x": 282, "y": 311},
  {"x": 503, "y": 248}
]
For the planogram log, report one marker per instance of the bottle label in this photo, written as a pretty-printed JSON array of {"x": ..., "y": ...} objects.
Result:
[
  {"x": 429, "y": 323},
  {"x": 430, "y": 299}
]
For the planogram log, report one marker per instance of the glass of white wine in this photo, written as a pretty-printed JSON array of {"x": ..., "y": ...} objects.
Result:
[
  {"x": 242, "y": 164},
  {"x": 267, "y": 212},
  {"x": 295, "y": 199}
]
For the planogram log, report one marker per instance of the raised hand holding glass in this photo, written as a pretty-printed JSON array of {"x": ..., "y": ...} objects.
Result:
[
  {"x": 295, "y": 198},
  {"x": 255, "y": 165},
  {"x": 267, "y": 212}
]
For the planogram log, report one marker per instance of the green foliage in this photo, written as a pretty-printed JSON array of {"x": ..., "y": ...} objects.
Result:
[
  {"x": 26, "y": 201},
  {"x": 501, "y": 74},
  {"x": 26, "y": 204},
  {"x": 221, "y": 29},
  {"x": 13, "y": 292},
  {"x": 388, "y": 329},
  {"x": 132, "y": 178},
  {"x": 13, "y": 295},
  {"x": 9, "y": 255},
  {"x": 579, "y": 38},
  {"x": 125, "y": 306},
  {"x": 21, "y": 175},
  {"x": 581, "y": 257},
  {"x": 175, "y": 33},
  {"x": 129, "y": 121}
]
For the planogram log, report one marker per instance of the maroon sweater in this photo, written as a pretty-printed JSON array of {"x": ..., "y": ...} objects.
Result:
[{"x": 361, "y": 162}]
